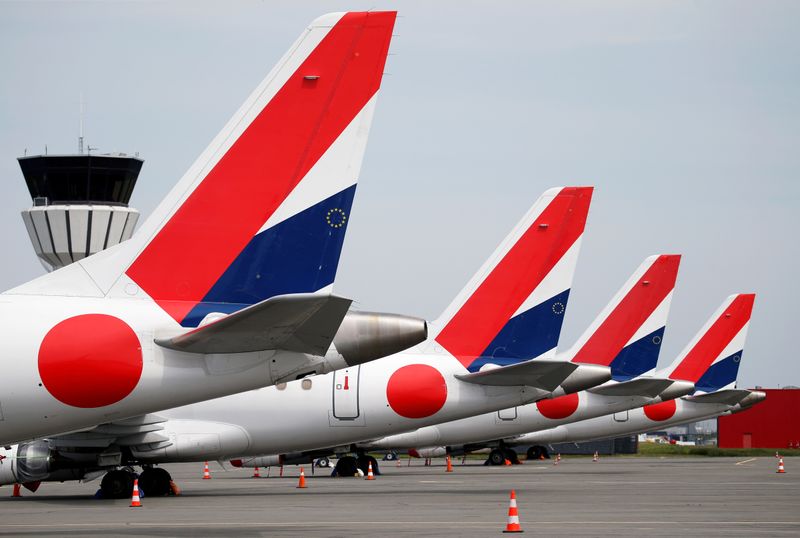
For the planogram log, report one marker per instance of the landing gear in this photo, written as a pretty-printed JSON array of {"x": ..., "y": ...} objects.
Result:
[
  {"x": 498, "y": 456},
  {"x": 117, "y": 484},
  {"x": 323, "y": 462},
  {"x": 390, "y": 456},
  {"x": 364, "y": 461},
  {"x": 346, "y": 466},
  {"x": 155, "y": 482},
  {"x": 538, "y": 453}
]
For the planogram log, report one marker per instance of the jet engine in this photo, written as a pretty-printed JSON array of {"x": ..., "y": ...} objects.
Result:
[
  {"x": 27, "y": 463},
  {"x": 366, "y": 336}
]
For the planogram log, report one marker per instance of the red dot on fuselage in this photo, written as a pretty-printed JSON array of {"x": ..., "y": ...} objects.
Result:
[
  {"x": 416, "y": 391},
  {"x": 92, "y": 360},
  {"x": 558, "y": 408},
  {"x": 660, "y": 411}
]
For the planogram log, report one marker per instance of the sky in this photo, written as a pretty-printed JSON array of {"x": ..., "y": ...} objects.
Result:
[{"x": 685, "y": 116}]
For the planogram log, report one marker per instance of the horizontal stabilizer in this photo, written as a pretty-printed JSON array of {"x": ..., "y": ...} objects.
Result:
[
  {"x": 728, "y": 397},
  {"x": 302, "y": 322},
  {"x": 648, "y": 387},
  {"x": 546, "y": 374}
]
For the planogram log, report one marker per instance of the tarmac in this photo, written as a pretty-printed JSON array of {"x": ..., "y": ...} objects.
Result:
[{"x": 617, "y": 496}]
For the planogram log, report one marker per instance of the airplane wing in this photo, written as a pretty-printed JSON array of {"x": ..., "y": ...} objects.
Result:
[
  {"x": 302, "y": 322},
  {"x": 546, "y": 374},
  {"x": 649, "y": 387},
  {"x": 729, "y": 396}
]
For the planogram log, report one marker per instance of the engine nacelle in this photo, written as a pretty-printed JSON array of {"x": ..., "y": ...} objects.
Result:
[
  {"x": 750, "y": 400},
  {"x": 366, "y": 336},
  {"x": 26, "y": 462},
  {"x": 584, "y": 377}
]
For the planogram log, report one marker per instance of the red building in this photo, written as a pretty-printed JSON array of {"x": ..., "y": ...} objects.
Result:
[{"x": 773, "y": 423}]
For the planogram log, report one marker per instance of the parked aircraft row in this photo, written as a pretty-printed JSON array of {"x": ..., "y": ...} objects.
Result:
[{"x": 213, "y": 333}]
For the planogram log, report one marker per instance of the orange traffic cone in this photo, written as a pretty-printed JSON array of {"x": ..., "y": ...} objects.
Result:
[
  {"x": 513, "y": 515},
  {"x": 302, "y": 483},
  {"x": 256, "y": 474},
  {"x": 449, "y": 465},
  {"x": 398, "y": 462},
  {"x": 135, "y": 502},
  {"x": 370, "y": 476},
  {"x": 206, "y": 474},
  {"x": 780, "y": 466},
  {"x": 17, "y": 491},
  {"x": 596, "y": 457}
]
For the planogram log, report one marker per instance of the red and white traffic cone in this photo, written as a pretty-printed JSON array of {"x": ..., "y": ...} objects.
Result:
[
  {"x": 135, "y": 501},
  {"x": 206, "y": 474},
  {"x": 256, "y": 474},
  {"x": 449, "y": 465},
  {"x": 17, "y": 491},
  {"x": 596, "y": 457},
  {"x": 557, "y": 460},
  {"x": 302, "y": 482},
  {"x": 780, "y": 466},
  {"x": 398, "y": 462},
  {"x": 513, "y": 516},
  {"x": 370, "y": 476}
]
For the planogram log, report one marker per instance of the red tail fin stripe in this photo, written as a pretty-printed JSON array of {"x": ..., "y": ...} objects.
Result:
[
  {"x": 266, "y": 162},
  {"x": 515, "y": 277},
  {"x": 631, "y": 312},
  {"x": 716, "y": 339}
]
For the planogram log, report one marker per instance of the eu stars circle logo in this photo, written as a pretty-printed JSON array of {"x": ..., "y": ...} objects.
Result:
[
  {"x": 558, "y": 308},
  {"x": 336, "y": 217}
]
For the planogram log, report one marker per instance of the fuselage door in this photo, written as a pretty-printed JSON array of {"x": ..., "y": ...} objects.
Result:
[
  {"x": 507, "y": 414},
  {"x": 621, "y": 416},
  {"x": 345, "y": 393}
]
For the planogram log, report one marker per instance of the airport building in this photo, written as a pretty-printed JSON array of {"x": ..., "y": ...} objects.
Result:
[
  {"x": 80, "y": 204},
  {"x": 773, "y": 423}
]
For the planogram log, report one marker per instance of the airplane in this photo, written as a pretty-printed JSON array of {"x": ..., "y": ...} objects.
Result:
[
  {"x": 227, "y": 286},
  {"x": 710, "y": 361},
  {"x": 626, "y": 336},
  {"x": 489, "y": 350}
]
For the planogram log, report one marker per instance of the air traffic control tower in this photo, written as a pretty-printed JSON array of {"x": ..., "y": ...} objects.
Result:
[{"x": 80, "y": 204}]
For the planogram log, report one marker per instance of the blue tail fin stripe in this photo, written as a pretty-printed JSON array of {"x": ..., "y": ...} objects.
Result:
[
  {"x": 526, "y": 335},
  {"x": 638, "y": 357},
  {"x": 720, "y": 374},
  {"x": 298, "y": 255}
]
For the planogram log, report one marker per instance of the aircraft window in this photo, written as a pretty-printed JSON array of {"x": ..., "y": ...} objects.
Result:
[
  {"x": 280, "y": 386},
  {"x": 306, "y": 384}
]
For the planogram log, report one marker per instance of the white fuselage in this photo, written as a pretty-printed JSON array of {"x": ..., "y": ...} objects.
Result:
[
  {"x": 340, "y": 408},
  {"x": 34, "y": 384},
  {"x": 507, "y": 424},
  {"x": 630, "y": 422}
]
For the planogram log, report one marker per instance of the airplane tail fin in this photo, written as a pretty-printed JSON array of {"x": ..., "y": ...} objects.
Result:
[
  {"x": 513, "y": 308},
  {"x": 627, "y": 334},
  {"x": 264, "y": 209},
  {"x": 711, "y": 360}
]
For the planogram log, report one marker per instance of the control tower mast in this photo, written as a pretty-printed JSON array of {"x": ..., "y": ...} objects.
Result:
[{"x": 80, "y": 204}]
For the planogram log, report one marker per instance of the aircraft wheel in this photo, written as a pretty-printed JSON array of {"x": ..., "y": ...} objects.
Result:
[
  {"x": 390, "y": 456},
  {"x": 155, "y": 482},
  {"x": 537, "y": 453},
  {"x": 346, "y": 466},
  {"x": 117, "y": 484},
  {"x": 511, "y": 455},
  {"x": 496, "y": 457},
  {"x": 323, "y": 462},
  {"x": 363, "y": 464}
]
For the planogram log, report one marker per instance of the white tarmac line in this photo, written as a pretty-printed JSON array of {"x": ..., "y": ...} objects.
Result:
[{"x": 745, "y": 461}]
